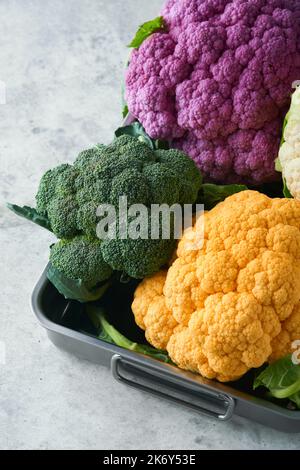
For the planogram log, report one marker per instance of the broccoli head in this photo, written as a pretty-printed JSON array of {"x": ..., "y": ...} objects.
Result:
[{"x": 69, "y": 196}]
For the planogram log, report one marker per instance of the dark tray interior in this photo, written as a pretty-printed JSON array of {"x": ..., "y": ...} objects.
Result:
[{"x": 117, "y": 304}]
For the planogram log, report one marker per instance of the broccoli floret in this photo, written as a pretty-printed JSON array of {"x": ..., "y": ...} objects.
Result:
[
  {"x": 81, "y": 258},
  {"x": 133, "y": 184},
  {"x": 89, "y": 157},
  {"x": 133, "y": 147},
  {"x": 163, "y": 184},
  {"x": 138, "y": 258},
  {"x": 48, "y": 185},
  {"x": 186, "y": 171},
  {"x": 143, "y": 256},
  {"x": 62, "y": 215},
  {"x": 87, "y": 218}
]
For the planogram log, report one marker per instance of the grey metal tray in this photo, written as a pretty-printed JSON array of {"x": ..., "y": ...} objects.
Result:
[{"x": 65, "y": 326}]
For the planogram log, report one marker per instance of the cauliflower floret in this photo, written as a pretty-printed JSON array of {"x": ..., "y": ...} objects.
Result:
[
  {"x": 146, "y": 292},
  {"x": 290, "y": 332},
  {"x": 289, "y": 153},
  {"x": 234, "y": 303}
]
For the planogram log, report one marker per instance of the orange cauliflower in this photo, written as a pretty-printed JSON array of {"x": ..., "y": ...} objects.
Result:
[{"x": 233, "y": 303}]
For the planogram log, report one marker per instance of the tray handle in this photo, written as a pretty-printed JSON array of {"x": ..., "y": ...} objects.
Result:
[{"x": 138, "y": 371}]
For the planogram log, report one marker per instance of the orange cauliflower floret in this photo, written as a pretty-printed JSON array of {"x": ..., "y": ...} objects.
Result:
[
  {"x": 151, "y": 313},
  {"x": 231, "y": 301}
]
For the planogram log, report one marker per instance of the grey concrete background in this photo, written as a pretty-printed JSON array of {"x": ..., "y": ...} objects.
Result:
[{"x": 62, "y": 61}]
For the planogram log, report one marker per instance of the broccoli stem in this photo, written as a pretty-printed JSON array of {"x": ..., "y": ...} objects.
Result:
[
  {"x": 108, "y": 333},
  {"x": 97, "y": 316}
]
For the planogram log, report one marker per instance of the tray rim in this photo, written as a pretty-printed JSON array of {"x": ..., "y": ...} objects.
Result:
[{"x": 154, "y": 364}]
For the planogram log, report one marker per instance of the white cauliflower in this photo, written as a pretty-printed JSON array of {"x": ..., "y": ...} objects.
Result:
[{"x": 289, "y": 154}]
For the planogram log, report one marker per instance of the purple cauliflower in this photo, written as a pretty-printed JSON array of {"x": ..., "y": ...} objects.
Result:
[{"x": 218, "y": 83}]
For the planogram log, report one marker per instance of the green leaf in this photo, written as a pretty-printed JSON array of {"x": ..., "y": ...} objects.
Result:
[
  {"x": 285, "y": 190},
  {"x": 283, "y": 128},
  {"x": 109, "y": 333},
  {"x": 136, "y": 130},
  {"x": 152, "y": 352},
  {"x": 75, "y": 289},
  {"x": 146, "y": 29},
  {"x": 282, "y": 379},
  {"x": 31, "y": 214},
  {"x": 125, "y": 111},
  {"x": 95, "y": 318},
  {"x": 278, "y": 166},
  {"x": 212, "y": 194}
]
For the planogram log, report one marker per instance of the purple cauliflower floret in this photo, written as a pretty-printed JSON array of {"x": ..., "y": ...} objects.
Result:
[{"x": 218, "y": 83}]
